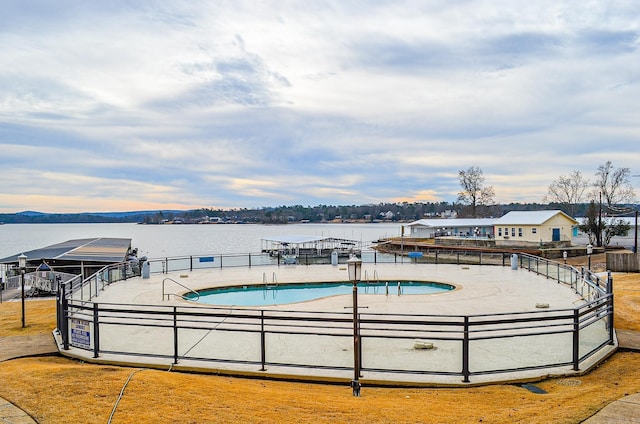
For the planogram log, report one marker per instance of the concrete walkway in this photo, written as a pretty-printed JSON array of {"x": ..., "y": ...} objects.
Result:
[
  {"x": 10, "y": 414},
  {"x": 623, "y": 411}
]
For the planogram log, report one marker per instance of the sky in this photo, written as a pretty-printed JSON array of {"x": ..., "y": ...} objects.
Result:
[{"x": 125, "y": 105}]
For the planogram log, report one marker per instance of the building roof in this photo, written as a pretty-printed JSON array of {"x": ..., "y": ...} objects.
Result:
[
  {"x": 454, "y": 222},
  {"x": 531, "y": 217},
  {"x": 510, "y": 218},
  {"x": 100, "y": 250}
]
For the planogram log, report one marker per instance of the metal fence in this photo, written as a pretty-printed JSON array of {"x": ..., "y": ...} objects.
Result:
[
  {"x": 435, "y": 255},
  {"x": 266, "y": 338}
]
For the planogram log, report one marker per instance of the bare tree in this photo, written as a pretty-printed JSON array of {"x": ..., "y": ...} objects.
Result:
[
  {"x": 613, "y": 184},
  {"x": 614, "y": 188},
  {"x": 568, "y": 190},
  {"x": 474, "y": 193}
]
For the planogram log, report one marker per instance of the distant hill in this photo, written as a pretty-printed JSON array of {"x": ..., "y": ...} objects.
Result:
[
  {"x": 382, "y": 212},
  {"x": 33, "y": 217}
]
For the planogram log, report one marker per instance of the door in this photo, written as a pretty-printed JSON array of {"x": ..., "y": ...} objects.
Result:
[{"x": 556, "y": 234}]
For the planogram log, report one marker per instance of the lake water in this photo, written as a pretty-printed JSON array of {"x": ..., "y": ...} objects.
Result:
[{"x": 158, "y": 241}]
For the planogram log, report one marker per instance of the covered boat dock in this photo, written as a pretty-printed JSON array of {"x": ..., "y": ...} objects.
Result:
[
  {"x": 296, "y": 246},
  {"x": 47, "y": 266}
]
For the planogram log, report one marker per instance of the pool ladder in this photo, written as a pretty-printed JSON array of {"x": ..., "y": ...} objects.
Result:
[
  {"x": 197, "y": 295},
  {"x": 376, "y": 280},
  {"x": 274, "y": 281}
]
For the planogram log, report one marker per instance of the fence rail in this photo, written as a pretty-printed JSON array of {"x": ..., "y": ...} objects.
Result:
[
  {"x": 178, "y": 330},
  {"x": 254, "y": 337}
]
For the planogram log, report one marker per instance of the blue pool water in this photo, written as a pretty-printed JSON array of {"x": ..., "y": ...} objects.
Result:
[{"x": 293, "y": 293}]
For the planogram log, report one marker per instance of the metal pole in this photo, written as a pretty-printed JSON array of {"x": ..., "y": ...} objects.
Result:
[
  {"x": 175, "y": 335},
  {"x": 576, "y": 340},
  {"x": 263, "y": 343},
  {"x": 64, "y": 330},
  {"x": 635, "y": 248},
  {"x": 355, "y": 383},
  {"x": 465, "y": 351},
  {"x": 96, "y": 331},
  {"x": 611, "y": 309},
  {"x": 22, "y": 271}
]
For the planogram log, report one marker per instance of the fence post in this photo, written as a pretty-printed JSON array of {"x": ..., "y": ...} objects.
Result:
[
  {"x": 611, "y": 308},
  {"x": 465, "y": 351},
  {"x": 64, "y": 330},
  {"x": 263, "y": 344},
  {"x": 175, "y": 335},
  {"x": 58, "y": 307},
  {"x": 576, "y": 339},
  {"x": 547, "y": 263},
  {"x": 360, "y": 343},
  {"x": 190, "y": 263},
  {"x": 249, "y": 260},
  {"x": 96, "y": 331}
]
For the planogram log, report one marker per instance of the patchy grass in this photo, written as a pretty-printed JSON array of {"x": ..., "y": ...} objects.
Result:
[
  {"x": 58, "y": 390},
  {"x": 40, "y": 317},
  {"x": 626, "y": 298}
]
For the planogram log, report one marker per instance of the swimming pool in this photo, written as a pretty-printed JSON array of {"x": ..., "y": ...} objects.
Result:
[{"x": 262, "y": 295}]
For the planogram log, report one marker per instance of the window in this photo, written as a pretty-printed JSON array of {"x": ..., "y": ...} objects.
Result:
[
  {"x": 499, "y": 231},
  {"x": 534, "y": 230},
  {"x": 513, "y": 232},
  {"x": 519, "y": 232}
]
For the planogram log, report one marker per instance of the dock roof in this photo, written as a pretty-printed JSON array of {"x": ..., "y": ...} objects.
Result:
[
  {"x": 96, "y": 250},
  {"x": 297, "y": 239}
]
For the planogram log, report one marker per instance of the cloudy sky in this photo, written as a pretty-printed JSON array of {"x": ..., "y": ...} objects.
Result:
[{"x": 130, "y": 105}]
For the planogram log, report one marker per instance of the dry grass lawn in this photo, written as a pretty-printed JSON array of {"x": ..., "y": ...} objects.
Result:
[{"x": 57, "y": 390}]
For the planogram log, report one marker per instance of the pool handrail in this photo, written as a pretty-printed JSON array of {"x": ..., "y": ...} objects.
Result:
[{"x": 197, "y": 295}]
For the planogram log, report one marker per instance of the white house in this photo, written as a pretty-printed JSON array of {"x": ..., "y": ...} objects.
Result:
[
  {"x": 513, "y": 228},
  {"x": 535, "y": 227}
]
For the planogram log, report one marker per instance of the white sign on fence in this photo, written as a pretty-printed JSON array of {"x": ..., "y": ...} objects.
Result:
[{"x": 81, "y": 333}]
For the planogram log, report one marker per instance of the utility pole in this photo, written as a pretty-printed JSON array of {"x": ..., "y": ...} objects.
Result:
[
  {"x": 635, "y": 245},
  {"x": 599, "y": 235}
]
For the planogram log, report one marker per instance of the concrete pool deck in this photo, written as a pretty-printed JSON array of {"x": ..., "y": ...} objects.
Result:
[{"x": 479, "y": 290}]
